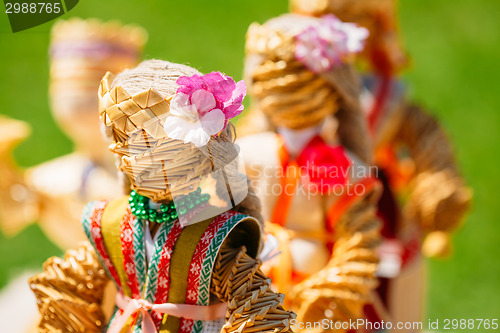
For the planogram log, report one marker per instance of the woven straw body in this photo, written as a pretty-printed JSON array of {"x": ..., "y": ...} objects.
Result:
[
  {"x": 133, "y": 108},
  {"x": 70, "y": 291},
  {"x": 347, "y": 283},
  {"x": 439, "y": 198},
  {"x": 253, "y": 306}
]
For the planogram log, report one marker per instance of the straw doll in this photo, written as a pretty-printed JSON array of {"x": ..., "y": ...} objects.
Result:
[
  {"x": 424, "y": 197},
  {"x": 317, "y": 190},
  {"x": 81, "y": 51},
  {"x": 411, "y": 147},
  {"x": 181, "y": 248}
]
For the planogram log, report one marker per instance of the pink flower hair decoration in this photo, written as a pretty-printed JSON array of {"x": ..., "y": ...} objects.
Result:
[
  {"x": 202, "y": 107},
  {"x": 326, "y": 44}
]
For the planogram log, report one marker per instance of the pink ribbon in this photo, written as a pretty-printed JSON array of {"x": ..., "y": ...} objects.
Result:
[{"x": 131, "y": 306}]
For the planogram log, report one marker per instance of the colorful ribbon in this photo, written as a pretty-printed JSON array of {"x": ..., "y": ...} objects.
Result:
[{"x": 132, "y": 306}]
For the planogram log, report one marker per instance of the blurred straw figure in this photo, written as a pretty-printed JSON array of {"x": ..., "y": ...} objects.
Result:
[{"x": 54, "y": 192}]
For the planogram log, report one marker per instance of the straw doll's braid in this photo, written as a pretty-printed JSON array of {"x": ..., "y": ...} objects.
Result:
[
  {"x": 439, "y": 197},
  {"x": 253, "y": 306}
]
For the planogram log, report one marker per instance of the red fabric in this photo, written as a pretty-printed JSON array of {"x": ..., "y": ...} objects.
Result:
[
  {"x": 319, "y": 164},
  {"x": 326, "y": 166},
  {"x": 411, "y": 250},
  {"x": 379, "y": 103},
  {"x": 126, "y": 241}
]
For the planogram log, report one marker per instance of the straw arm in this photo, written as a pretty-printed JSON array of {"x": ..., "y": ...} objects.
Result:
[
  {"x": 252, "y": 305},
  {"x": 340, "y": 290},
  {"x": 439, "y": 197},
  {"x": 18, "y": 202},
  {"x": 69, "y": 292}
]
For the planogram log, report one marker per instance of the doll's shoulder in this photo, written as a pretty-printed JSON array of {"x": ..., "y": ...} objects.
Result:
[{"x": 94, "y": 210}]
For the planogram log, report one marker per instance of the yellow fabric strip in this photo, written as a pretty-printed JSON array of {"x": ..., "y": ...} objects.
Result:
[
  {"x": 179, "y": 270},
  {"x": 110, "y": 229}
]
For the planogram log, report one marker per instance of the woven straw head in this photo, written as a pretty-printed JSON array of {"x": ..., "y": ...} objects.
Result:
[
  {"x": 133, "y": 107},
  {"x": 281, "y": 86},
  {"x": 384, "y": 49},
  {"x": 81, "y": 52}
]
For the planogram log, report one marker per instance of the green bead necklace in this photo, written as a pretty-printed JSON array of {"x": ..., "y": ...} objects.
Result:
[{"x": 139, "y": 205}]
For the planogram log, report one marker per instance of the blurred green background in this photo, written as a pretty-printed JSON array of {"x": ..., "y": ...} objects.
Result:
[{"x": 455, "y": 50}]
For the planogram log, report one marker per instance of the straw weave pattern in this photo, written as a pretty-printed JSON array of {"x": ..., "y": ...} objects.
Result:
[
  {"x": 253, "y": 306},
  {"x": 69, "y": 292}
]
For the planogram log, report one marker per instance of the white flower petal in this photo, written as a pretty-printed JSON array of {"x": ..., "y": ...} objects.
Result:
[
  {"x": 183, "y": 129},
  {"x": 203, "y": 100},
  {"x": 198, "y": 136},
  {"x": 178, "y": 103},
  {"x": 213, "y": 121},
  {"x": 177, "y": 127},
  {"x": 355, "y": 36}
]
